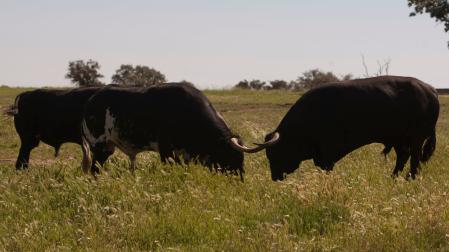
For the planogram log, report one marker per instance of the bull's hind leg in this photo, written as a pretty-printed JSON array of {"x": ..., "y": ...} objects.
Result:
[
  {"x": 402, "y": 155},
  {"x": 325, "y": 165},
  {"x": 415, "y": 157},
  {"x": 132, "y": 159},
  {"x": 26, "y": 146}
]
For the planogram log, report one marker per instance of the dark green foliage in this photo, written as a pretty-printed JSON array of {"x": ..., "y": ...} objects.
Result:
[
  {"x": 244, "y": 84},
  {"x": 254, "y": 84},
  {"x": 308, "y": 80},
  {"x": 128, "y": 75},
  {"x": 84, "y": 74},
  {"x": 317, "y": 77},
  {"x": 278, "y": 84},
  {"x": 437, "y": 9},
  {"x": 257, "y": 84}
]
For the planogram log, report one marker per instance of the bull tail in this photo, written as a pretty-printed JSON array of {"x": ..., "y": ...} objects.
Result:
[
  {"x": 10, "y": 111},
  {"x": 13, "y": 109},
  {"x": 429, "y": 147}
]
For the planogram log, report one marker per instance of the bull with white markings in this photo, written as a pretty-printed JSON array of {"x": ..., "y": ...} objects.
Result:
[{"x": 174, "y": 119}]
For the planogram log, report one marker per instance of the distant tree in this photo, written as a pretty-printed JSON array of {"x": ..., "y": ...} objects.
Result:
[
  {"x": 309, "y": 79},
  {"x": 346, "y": 77},
  {"x": 243, "y": 84},
  {"x": 84, "y": 74},
  {"x": 278, "y": 84},
  {"x": 315, "y": 77},
  {"x": 294, "y": 85},
  {"x": 256, "y": 84},
  {"x": 128, "y": 75},
  {"x": 437, "y": 9}
]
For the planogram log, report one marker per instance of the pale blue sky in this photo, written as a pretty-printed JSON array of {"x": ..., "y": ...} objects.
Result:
[{"x": 215, "y": 44}]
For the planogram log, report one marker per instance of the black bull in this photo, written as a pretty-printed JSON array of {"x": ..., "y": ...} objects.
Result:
[
  {"x": 332, "y": 120},
  {"x": 52, "y": 116},
  {"x": 174, "y": 119}
]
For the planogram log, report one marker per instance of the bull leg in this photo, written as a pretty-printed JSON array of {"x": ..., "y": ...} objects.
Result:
[
  {"x": 327, "y": 155},
  {"x": 94, "y": 170},
  {"x": 165, "y": 152},
  {"x": 132, "y": 158},
  {"x": 101, "y": 153},
  {"x": 323, "y": 164},
  {"x": 24, "y": 154},
  {"x": 402, "y": 155},
  {"x": 328, "y": 166},
  {"x": 414, "y": 162},
  {"x": 386, "y": 150}
]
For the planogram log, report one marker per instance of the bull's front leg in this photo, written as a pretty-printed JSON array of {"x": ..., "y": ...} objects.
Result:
[{"x": 100, "y": 153}]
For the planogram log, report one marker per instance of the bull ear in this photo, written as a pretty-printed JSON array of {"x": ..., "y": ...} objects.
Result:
[{"x": 242, "y": 148}]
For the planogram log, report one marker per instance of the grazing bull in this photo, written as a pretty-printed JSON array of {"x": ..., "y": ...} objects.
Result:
[
  {"x": 332, "y": 120},
  {"x": 174, "y": 119},
  {"x": 52, "y": 116}
]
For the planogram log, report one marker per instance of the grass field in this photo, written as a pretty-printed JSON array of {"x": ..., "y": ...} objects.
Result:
[{"x": 356, "y": 207}]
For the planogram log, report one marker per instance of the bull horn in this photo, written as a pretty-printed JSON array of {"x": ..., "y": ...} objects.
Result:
[{"x": 242, "y": 148}]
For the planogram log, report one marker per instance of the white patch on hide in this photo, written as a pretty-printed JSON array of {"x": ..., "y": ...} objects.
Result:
[
  {"x": 109, "y": 121},
  {"x": 107, "y": 135}
]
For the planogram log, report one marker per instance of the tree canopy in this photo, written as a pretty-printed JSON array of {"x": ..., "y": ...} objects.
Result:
[
  {"x": 84, "y": 74},
  {"x": 315, "y": 77},
  {"x": 437, "y": 9},
  {"x": 253, "y": 84},
  {"x": 128, "y": 75},
  {"x": 308, "y": 79},
  {"x": 278, "y": 84}
]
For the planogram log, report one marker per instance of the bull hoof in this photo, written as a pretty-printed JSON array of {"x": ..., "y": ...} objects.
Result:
[
  {"x": 411, "y": 176},
  {"x": 94, "y": 170},
  {"x": 21, "y": 167}
]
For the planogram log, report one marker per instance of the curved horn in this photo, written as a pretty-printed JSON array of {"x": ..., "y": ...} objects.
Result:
[{"x": 237, "y": 146}]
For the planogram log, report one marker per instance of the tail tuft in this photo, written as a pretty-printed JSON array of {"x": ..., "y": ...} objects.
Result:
[
  {"x": 11, "y": 111},
  {"x": 429, "y": 147}
]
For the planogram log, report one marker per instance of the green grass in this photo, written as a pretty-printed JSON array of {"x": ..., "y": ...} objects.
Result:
[{"x": 356, "y": 207}]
